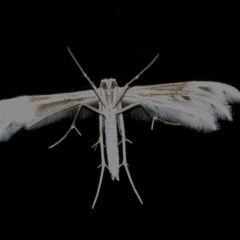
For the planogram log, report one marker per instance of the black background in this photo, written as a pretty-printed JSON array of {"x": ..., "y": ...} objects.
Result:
[{"x": 188, "y": 180}]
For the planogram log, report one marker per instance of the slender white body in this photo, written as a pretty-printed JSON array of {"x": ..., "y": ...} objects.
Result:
[
  {"x": 111, "y": 141},
  {"x": 109, "y": 95}
]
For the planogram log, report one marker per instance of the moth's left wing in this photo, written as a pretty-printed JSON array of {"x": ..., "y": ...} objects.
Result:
[
  {"x": 35, "y": 111},
  {"x": 195, "y": 104}
]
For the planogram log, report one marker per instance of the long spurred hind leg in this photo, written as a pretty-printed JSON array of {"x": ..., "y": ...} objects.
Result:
[
  {"x": 103, "y": 162},
  {"x": 124, "y": 163}
]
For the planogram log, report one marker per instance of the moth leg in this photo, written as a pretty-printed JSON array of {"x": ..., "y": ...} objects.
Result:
[
  {"x": 93, "y": 109},
  {"x": 124, "y": 163},
  {"x": 106, "y": 166},
  {"x": 103, "y": 162},
  {"x": 96, "y": 144},
  {"x": 98, "y": 141},
  {"x": 73, "y": 126},
  {"x": 127, "y": 140},
  {"x": 130, "y": 106},
  {"x": 165, "y": 122},
  {"x": 120, "y": 132},
  {"x": 159, "y": 119}
]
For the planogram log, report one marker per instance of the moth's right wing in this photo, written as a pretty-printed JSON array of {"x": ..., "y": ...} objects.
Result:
[
  {"x": 35, "y": 111},
  {"x": 194, "y": 104}
]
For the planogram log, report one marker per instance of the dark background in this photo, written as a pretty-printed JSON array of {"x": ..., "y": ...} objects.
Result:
[{"x": 188, "y": 180}]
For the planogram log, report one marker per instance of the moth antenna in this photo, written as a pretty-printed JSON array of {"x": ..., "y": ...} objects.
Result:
[
  {"x": 143, "y": 70},
  {"x": 86, "y": 76},
  {"x": 126, "y": 87}
]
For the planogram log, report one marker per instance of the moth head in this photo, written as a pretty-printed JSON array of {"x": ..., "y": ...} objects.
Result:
[{"x": 108, "y": 84}]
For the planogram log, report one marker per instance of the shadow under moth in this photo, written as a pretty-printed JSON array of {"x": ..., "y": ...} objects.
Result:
[{"x": 194, "y": 104}]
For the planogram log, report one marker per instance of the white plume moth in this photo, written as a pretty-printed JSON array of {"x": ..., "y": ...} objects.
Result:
[{"x": 194, "y": 104}]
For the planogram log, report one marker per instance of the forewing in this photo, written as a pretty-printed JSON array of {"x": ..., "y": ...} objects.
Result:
[
  {"x": 195, "y": 104},
  {"x": 34, "y": 111}
]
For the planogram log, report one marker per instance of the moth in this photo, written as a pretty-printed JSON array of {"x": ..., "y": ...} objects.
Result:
[{"x": 194, "y": 104}]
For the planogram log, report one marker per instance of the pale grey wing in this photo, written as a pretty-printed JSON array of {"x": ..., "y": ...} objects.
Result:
[
  {"x": 34, "y": 111},
  {"x": 195, "y": 104}
]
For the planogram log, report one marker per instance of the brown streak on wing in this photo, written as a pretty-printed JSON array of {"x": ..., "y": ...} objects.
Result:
[
  {"x": 206, "y": 89},
  {"x": 187, "y": 98},
  {"x": 36, "y": 98},
  {"x": 163, "y": 89},
  {"x": 52, "y": 105}
]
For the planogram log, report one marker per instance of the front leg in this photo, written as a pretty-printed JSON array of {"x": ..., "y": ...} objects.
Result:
[
  {"x": 127, "y": 108},
  {"x": 93, "y": 109},
  {"x": 73, "y": 124}
]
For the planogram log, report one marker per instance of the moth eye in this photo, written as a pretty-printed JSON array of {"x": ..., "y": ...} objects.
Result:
[
  {"x": 113, "y": 84},
  {"x": 104, "y": 85}
]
